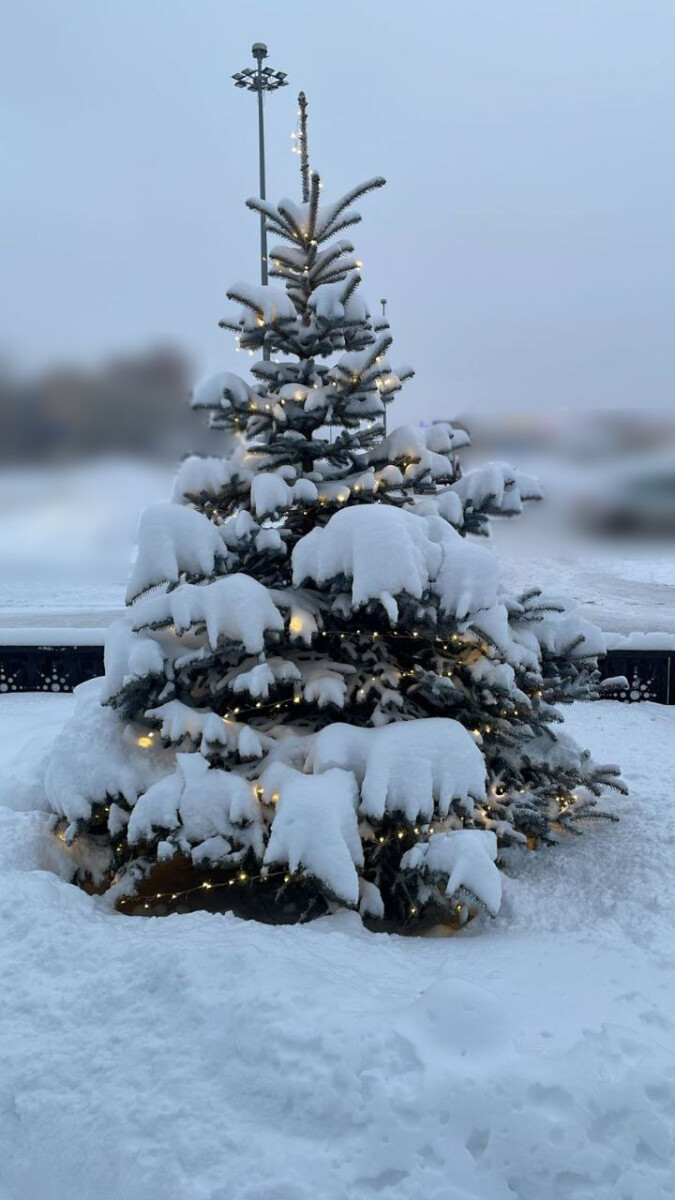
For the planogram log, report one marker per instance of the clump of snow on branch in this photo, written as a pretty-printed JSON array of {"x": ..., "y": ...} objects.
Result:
[
  {"x": 198, "y": 476},
  {"x": 261, "y": 305},
  {"x": 419, "y": 451},
  {"x": 386, "y": 552},
  {"x": 568, "y": 633},
  {"x": 129, "y": 656},
  {"x": 224, "y": 386},
  {"x": 315, "y": 830},
  {"x": 417, "y": 769},
  {"x": 174, "y": 542},
  {"x": 341, "y": 745},
  {"x": 197, "y": 804},
  {"x": 382, "y": 550},
  {"x": 498, "y": 489},
  {"x": 422, "y": 767},
  {"x": 99, "y": 756},
  {"x": 462, "y": 860},
  {"x": 186, "y": 727},
  {"x": 236, "y": 607},
  {"x": 468, "y": 577},
  {"x": 270, "y": 494}
]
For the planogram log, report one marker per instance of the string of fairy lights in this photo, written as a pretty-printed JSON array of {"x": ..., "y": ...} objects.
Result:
[
  {"x": 207, "y": 885},
  {"x": 241, "y": 877},
  {"x": 244, "y": 712},
  {"x": 446, "y": 643}
]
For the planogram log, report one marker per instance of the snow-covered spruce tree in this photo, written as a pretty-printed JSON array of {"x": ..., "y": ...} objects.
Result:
[{"x": 319, "y": 693}]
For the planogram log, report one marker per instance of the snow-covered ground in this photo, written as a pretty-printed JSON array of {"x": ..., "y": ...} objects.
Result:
[
  {"x": 622, "y": 588},
  {"x": 66, "y": 538},
  {"x": 200, "y": 1057}
]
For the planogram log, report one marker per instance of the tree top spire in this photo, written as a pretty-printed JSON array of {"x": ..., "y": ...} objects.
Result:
[{"x": 303, "y": 147}]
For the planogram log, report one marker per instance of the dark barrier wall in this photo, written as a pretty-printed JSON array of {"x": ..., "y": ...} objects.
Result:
[{"x": 650, "y": 673}]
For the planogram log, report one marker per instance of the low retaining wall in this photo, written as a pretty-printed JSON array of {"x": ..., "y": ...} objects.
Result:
[
  {"x": 48, "y": 668},
  {"x": 31, "y": 661},
  {"x": 650, "y": 675}
]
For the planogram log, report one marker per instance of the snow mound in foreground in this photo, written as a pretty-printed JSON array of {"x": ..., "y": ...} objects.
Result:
[{"x": 202, "y": 1056}]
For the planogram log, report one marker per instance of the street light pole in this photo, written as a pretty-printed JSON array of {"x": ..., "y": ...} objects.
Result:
[
  {"x": 259, "y": 52},
  {"x": 261, "y": 79}
]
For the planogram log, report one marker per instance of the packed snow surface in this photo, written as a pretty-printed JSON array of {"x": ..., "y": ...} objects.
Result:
[
  {"x": 200, "y": 1057},
  {"x": 67, "y": 533}
]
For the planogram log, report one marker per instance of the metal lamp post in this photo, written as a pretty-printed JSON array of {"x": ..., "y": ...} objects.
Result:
[{"x": 261, "y": 79}]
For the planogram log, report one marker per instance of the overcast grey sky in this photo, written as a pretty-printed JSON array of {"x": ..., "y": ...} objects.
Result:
[{"x": 524, "y": 241}]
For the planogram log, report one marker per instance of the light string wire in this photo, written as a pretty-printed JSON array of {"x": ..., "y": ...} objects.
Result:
[{"x": 209, "y": 886}]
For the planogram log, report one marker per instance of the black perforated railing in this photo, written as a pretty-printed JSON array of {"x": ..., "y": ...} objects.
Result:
[
  {"x": 48, "y": 668},
  {"x": 53, "y": 668},
  {"x": 650, "y": 675}
]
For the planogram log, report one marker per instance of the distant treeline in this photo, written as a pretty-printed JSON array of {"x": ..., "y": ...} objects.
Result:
[{"x": 128, "y": 405}]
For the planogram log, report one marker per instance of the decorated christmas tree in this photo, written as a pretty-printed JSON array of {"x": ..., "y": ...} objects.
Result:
[{"x": 320, "y": 694}]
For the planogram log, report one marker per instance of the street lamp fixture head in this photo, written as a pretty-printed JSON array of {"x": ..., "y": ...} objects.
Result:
[{"x": 260, "y": 79}]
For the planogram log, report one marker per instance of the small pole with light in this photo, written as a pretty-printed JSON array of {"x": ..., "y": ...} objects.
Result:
[
  {"x": 384, "y": 414},
  {"x": 261, "y": 79}
]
